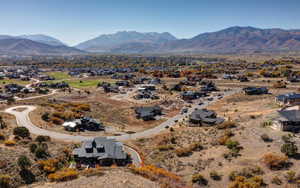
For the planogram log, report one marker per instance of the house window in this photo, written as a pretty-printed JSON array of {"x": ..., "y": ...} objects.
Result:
[
  {"x": 100, "y": 149},
  {"x": 89, "y": 150}
]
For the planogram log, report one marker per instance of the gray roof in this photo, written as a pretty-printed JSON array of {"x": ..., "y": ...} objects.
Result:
[
  {"x": 112, "y": 149},
  {"x": 289, "y": 115},
  {"x": 288, "y": 96},
  {"x": 206, "y": 116}
]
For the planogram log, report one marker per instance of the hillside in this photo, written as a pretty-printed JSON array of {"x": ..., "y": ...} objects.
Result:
[
  {"x": 43, "y": 39},
  {"x": 28, "y": 47},
  {"x": 121, "y": 41},
  {"x": 233, "y": 39}
]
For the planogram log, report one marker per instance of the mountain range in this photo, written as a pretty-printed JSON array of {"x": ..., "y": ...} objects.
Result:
[
  {"x": 230, "y": 40},
  {"x": 34, "y": 45},
  {"x": 109, "y": 42}
]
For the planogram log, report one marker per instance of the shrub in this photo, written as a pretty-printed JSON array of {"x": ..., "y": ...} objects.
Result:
[
  {"x": 5, "y": 181},
  {"x": 56, "y": 120},
  {"x": 32, "y": 147},
  {"x": 199, "y": 179},
  {"x": 223, "y": 139},
  {"x": 279, "y": 84},
  {"x": 230, "y": 144},
  {"x": 286, "y": 138},
  {"x": 276, "y": 180},
  {"x": 183, "y": 152},
  {"x": 197, "y": 146},
  {"x": 27, "y": 176},
  {"x": 49, "y": 165},
  {"x": 266, "y": 138},
  {"x": 242, "y": 182},
  {"x": 2, "y": 137},
  {"x": 9, "y": 142},
  {"x": 247, "y": 172},
  {"x": 24, "y": 162},
  {"x": 92, "y": 172},
  {"x": 289, "y": 149},
  {"x": 215, "y": 175},
  {"x": 251, "y": 171},
  {"x": 232, "y": 175},
  {"x": 21, "y": 132},
  {"x": 275, "y": 161},
  {"x": 234, "y": 146},
  {"x": 226, "y": 125},
  {"x": 63, "y": 175},
  {"x": 165, "y": 147},
  {"x": 266, "y": 123},
  {"x": 42, "y": 138},
  {"x": 290, "y": 176},
  {"x": 154, "y": 173},
  {"x": 45, "y": 116},
  {"x": 41, "y": 152}
]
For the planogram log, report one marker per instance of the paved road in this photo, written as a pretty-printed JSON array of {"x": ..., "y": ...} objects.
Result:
[{"x": 23, "y": 120}]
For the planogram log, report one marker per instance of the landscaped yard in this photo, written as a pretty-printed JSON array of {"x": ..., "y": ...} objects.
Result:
[
  {"x": 83, "y": 83},
  {"x": 59, "y": 75},
  {"x": 13, "y": 81}
]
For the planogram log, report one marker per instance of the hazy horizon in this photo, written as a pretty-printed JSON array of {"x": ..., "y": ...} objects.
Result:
[{"x": 74, "y": 21}]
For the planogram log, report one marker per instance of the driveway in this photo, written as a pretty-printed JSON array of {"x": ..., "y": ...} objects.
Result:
[{"x": 24, "y": 120}]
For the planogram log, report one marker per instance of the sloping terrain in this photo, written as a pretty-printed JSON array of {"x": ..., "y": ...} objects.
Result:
[
  {"x": 121, "y": 41},
  {"x": 238, "y": 38},
  {"x": 233, "y": 39},
  {"x": 43, "y": 39},
  {"x": 29, "y": 47}
]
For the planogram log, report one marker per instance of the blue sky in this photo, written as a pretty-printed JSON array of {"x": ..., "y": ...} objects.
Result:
[{"x": 74, "y": 21}]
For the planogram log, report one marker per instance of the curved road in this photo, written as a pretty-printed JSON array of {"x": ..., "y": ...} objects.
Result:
[{"x": 23, "y": 119}]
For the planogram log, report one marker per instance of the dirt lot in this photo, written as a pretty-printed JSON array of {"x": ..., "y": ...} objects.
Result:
[
  {"x": 119, "y": 178},
  {"x": 119, "y": 115},
  {"x": 249, "y": 113}
]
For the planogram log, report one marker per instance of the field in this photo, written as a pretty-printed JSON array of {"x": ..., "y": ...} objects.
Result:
[
  {"x": 59, "y": 75},
  {"x": 82, "y": 83},
  {"x": 13, "y": 81}
]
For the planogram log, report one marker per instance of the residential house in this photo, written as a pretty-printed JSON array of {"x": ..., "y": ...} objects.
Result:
[
  {"x": 229, "y": 77},
  {"x": 205, "y": 117},
  {"x": 293, "y": 78},
  {"x": 243, "y": 79},
  {"x": 191, "y": 95},
  {"x": 256, "y": 90},
  {"x": 289, "y": 99},
  {"x": 102, "y": 151},
  {"x": 155, "y": 81},
  {"x": 122, "y": 83},
  {"x": 145, "y": 94},
  {"x": 289, "y": 120},
  {"x": 209, "y": 87},
  {"x": 148, "y": 113},
  {"x": 13, "y": 88},
  {"x": 83, "y": 124}
]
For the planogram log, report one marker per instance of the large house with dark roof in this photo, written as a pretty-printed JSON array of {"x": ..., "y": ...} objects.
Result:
[
  {"x": 289, "y": 99},
  {"x": 191, "y": 95},
  {"x": 82, "y": 124},
  {"x": 102, "y": 151},
  {"x": 204, "y": 117},
  {"x": 256, "y": 90},
  {"x": 148, "y": 113},
  {"x": 289, "y": 120}
]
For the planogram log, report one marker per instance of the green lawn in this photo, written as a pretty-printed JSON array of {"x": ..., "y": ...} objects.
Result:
[
  {"x": 81, "y": 83},
  {"x": 13, "y": 81},
  {"x": 59, "y": 75}
]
